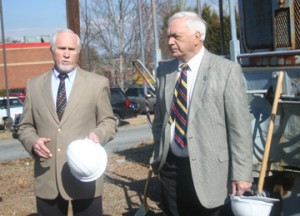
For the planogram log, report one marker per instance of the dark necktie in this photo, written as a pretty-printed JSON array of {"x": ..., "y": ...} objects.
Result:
[
  {"x": 179, "y": 108},
  {"x": 61, "y": 100}
]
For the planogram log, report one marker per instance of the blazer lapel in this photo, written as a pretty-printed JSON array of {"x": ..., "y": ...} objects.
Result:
[
  {"x": 46, "y": 90},
  {"x": 170, "y": 83},
  {"x": 76, "y": 93},
  {"x": 200, "y": 83}
]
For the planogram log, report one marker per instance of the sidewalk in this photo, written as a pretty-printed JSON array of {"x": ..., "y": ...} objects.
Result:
[{"x": 134, "y": 121}]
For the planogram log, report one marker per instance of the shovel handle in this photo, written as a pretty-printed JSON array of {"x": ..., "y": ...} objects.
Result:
[
  {"x": 146, "y": 189},
  {"x": 270, "y": 132}
]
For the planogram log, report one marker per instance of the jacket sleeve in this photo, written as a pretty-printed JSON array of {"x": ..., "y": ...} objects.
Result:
[
  {"x": 238, "y": 125},
  {"x": 27, "y": 133},
  {"x": 105, "y": 121}
]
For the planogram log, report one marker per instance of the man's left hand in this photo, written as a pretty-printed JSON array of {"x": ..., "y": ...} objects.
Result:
[
  {"x": 92, "y": 136},
  {"x": 240, "y": 187}
]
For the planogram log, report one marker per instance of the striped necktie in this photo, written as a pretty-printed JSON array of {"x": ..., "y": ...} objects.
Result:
[
  {"x": 179, "y": 108},
  {"x": 61, "y": 100}
]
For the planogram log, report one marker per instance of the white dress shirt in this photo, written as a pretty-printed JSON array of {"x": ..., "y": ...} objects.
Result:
[
  {"x": 68, "y": 83},
  {"x": 194, "y": 65}
]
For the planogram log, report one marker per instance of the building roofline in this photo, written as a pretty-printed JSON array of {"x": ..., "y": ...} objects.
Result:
[{"x": 24, "y": 45}]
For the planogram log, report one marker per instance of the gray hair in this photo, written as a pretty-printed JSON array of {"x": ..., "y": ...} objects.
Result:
[
  {"x": 53, "y": 41},
  {"x": 193, "y": 22}
]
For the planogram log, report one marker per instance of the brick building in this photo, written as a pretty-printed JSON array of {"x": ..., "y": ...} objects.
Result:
[{"x": 24, "y": 61}]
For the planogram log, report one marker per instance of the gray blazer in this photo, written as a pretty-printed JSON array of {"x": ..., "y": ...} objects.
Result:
[
  {"x": 219, "y": 128},
  {"x": 88, "y": 109}
]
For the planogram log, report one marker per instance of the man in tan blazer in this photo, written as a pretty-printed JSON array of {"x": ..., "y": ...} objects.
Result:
[
  {"x": 216, "y": 159},
  {"x": 88, "y": 113}
]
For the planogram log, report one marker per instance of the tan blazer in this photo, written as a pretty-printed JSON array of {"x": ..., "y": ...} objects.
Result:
[
  {"x": 219, "y": 128},
  {"x": 88, "y": 109}
]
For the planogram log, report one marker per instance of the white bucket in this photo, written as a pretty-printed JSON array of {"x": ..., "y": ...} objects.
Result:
[{"x": 252, "y": 206}]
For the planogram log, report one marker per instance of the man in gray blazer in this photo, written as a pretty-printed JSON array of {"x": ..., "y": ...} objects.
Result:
[
  {"x": 46, "y": 135},
  {"x": 216, "y": 158}
]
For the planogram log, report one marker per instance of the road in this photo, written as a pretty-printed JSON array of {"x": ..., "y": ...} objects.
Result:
[{"x": 125, "y": 138}]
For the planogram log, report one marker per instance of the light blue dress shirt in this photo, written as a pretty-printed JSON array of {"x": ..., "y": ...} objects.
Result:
[{"x": 68, "y": 82}]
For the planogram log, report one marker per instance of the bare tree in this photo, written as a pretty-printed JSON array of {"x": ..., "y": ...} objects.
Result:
[{"x": 112, "y": 29}]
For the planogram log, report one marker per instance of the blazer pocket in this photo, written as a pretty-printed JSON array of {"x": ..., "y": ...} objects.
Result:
[
  {"x": 44, "y": 163},
  {"x": 223, "y": 156}
]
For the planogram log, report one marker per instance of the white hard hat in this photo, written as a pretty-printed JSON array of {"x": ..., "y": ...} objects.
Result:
[
  {"x": 252, "y": 205},
  {"x": 86, "y": 159}
]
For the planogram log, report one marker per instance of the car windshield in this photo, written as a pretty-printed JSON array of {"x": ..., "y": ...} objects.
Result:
[
  {"x": 139, "y": 91},
  {"x": 16, "y": 91},
  {"x": 13, "y": 102},
  {"x": 117, "y": 93}
]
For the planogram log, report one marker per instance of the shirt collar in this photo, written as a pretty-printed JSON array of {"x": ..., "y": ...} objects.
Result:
[
  {"x": 70, "y": 74},
  {"x": 195, "y": 62}
]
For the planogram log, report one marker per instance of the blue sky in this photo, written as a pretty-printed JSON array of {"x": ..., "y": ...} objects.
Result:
[
  {"x": 39, "y": 17},
  {"x": 33, "y": 17}
]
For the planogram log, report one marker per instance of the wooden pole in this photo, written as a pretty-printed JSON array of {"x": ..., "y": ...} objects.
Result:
[
  {"x": 73, "y": 15},
  {"x": 263, "y": 170},
  {"x": 73, "y": 19}
]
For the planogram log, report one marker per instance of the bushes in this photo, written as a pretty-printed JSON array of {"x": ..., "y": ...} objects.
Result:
[{"x": 2, "y": 92}]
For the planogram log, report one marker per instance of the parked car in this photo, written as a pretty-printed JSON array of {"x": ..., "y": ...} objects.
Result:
[
  {"x": 16, "y": 108},
  {"x": 120, "y": 105},
  {"x": 135, "y": 107},
  {"x": 18, "y": 92},
  {"x": 136, "y": 94}
]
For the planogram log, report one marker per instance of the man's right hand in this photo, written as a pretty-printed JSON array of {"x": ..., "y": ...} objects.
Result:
[{"x": 40, "y": 148}]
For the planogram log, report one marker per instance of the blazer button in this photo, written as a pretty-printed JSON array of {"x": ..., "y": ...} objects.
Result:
[
  {"x": 59, "y": 149},
  {"x": 59, "y": 130}
]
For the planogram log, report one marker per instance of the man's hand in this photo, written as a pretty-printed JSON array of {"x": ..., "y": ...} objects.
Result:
[
  {"x": 92, "y": 136},
  {"x": 240, "y": 187},
  {"x": 40, "y": 148}
]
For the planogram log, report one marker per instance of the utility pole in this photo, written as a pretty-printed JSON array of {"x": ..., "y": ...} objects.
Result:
[
  {"x": 4, "y": 60},
  {"x": 87, "y": 36},
  {"x": 199, "y": 7},
  {"x": 234, "y": 43},
  {"x": 157, "y": 55},
  {"x": 181, "y": 4},
  {"x": 222, "y": 26},
  {"x": 73, "y": 18},
  {"x": 142, "y": 54}
]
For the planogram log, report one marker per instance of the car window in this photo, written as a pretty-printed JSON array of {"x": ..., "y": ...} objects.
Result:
[
  {"x": 116, "y": 94},
  {"x": 141, "y": 92},
  {"x": 2, "y": 104},
  {"x": 132, "y": 92},
  {"x": 16, "y": 91},
  {"x": 149, "y": 91},
  {"x": 13, "y": 102}
]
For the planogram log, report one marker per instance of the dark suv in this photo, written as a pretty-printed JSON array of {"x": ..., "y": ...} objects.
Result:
[
  {"x": 135, "y": 93},
  {"x": 121, "y": 106}
]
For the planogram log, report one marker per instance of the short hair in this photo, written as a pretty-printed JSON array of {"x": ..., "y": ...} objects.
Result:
[
  {"x": 193, "y": 22},
  {"x": 53, "y": 41}
]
